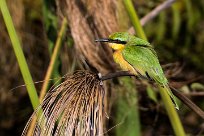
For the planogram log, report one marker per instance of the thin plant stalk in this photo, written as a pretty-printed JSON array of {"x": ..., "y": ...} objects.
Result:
[
  {"x": 19, "y": 55},
  {"x": 53, "y": 59},
  {"x": 134, "y": 19},
  {"x": 171, "y": 111}
]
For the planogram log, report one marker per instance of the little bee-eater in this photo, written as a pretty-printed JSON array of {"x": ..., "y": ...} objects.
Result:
[{"x": 138, "y": 57}]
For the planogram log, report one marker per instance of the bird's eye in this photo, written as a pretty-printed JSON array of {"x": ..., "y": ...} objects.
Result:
[
  {"x": 122, "y": 42},
  {"x": 119, "y": 41}
]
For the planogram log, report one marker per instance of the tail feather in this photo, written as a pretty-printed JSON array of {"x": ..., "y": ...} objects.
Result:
[{"x": 171, "y": 96}]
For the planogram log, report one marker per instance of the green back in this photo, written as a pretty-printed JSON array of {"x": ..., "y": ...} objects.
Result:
[
  {"x": 144, "y": 58},
  {"x": 132, "y": 40}
]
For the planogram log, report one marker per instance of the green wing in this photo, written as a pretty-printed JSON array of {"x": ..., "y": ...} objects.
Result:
[{"x": 145, "y": 62}]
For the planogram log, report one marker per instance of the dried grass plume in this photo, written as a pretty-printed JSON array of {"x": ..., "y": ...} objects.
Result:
[{"x": 74, "y": 108}]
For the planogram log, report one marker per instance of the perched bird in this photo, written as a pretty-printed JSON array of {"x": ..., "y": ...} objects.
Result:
[{"x": 138, "y": 57}]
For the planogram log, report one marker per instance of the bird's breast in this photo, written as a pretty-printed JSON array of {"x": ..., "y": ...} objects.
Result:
[{"x": 119, "y": 59}]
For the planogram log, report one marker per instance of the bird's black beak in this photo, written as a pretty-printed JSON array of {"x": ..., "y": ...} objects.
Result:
[{"x": 102, "y": 40}]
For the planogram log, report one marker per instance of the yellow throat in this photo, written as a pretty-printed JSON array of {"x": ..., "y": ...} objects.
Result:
[
  {"x": 116, "y": 46},
  {"x": 118, "y": 58}
]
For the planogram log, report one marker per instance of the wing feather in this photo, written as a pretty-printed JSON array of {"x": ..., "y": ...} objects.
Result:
[{"x": 145, "y": 61}]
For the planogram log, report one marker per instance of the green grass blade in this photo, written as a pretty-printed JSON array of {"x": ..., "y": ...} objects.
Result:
[
  {"x": 19, "y": 55},
  {"x": 173, "y": 116},
  {"x": 176, "y": 20},
  {"x": 134, "y": 18}
]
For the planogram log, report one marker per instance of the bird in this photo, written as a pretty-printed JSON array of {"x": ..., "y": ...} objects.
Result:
[{"x": 138, "y": 57}]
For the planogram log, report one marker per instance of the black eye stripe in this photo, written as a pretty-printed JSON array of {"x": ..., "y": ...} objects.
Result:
[
  {"x": 117, "y": 41},
  {"x": 123, "y": 42}
]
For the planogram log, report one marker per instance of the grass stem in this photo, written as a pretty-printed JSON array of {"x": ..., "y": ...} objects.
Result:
[
  {"x": 173, "y": 116},
  {"x": 134, "y": 18},
  {"x": 53, "y": 59},
  {"x": 19, "y": 55}
]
